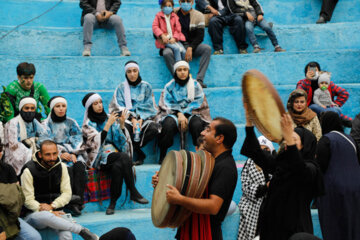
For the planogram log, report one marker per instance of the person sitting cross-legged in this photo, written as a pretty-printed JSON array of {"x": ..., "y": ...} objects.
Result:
[
  {"x": 102, "y": 14},
  {"x": 46, "y": 185},
  {"x": 183, "y": 106},
  {"x": 66, "y": 133}
]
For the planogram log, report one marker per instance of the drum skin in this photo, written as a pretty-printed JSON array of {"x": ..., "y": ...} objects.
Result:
[{"x": 264, "y": 104}]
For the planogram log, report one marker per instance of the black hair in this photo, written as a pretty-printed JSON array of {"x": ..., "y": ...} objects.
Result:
[
  {"x": 312, "y": 64},
  {"x": 46, "y": 142},
  {"x": 87, "y": 96},
  {"x": 227, "y": 129},
  {"x": 25, "y": 69},
  {"x": 165, "y": 1}
]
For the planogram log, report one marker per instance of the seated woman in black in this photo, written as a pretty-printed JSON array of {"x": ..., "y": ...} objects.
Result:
[{"x": 296, "y": 180}]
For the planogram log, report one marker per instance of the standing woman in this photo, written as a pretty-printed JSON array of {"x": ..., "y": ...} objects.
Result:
[
  {"x": 108, "y": 148},
  {"x": 338, "y": 157},
  {"x": 136, "y": 96},
  {"x": 296, "y": 180},
  {"x": 66, "y": 133},
  {"x": 183, "y": 106},
  {"x": 301, "y": 114}
]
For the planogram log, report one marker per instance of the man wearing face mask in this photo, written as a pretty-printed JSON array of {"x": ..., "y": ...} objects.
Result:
[
  {"x": 22, "y": 134},
  {"x": 310, "y": 84},
  {"x": 46, "y": 185},
  {"x": 25, "y": 86},
  {"x": 193, "y": 27}
]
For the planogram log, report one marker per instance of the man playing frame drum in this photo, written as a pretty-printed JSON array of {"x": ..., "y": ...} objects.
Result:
[{"x": 219, "y": 138}]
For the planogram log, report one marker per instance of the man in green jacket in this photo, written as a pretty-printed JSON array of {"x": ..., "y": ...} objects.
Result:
[{"x": 25, "y": 86}]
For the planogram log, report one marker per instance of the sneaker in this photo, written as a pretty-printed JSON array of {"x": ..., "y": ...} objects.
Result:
[
  {"x": 125, "y": 51},
  {"x": 256, "y": 50},
  {"x": 279, "y": 49},
  {"x": 321, "y": 20},
  {"x": 219, "y": 52},
  {"x": 202, "y": 84},
  {"x": 243, "y": 51},
  {"x": 87, "y": 235},
  {"x": 86, "y": 53}
]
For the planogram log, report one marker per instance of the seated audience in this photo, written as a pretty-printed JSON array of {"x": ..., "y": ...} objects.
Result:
[
  {"x": 193, "y": 28},
  {"x": 102, "y": 14},
  {"x": 109, "y": 145},
  {"x": 22, "y": 135},
  {"x": 322, "y": 95},
  {"x": 252, "y": 13},
  {"x": 327, "y": 9},
  {"x": 310, "y": 84},
  {"x": 183, "y": 106},
  {"x": 66, "y": 133},
  {"x": 137, "y": 97},
  {"x": 254, "y": 187},
  {"x": 202, "y": 6},
  {"x": 222, "y": 16},
  {"x": 296, "y": 180},
  {"x": 338, "y": 157},
  {"x": 166, "y": 27},
  {"x": 25, "y": 86},
  {"x": 11, "y": 202},
  {"x": 301, "y": 115},
  {"x": 46, "y": 185}
]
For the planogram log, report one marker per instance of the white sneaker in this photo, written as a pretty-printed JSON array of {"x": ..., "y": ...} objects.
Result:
[
  {"x": 125, "y": 51},
  {"x": 86, "y": 53}
]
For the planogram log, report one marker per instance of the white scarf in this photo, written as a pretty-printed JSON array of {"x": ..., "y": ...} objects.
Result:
[
  {"x": 127, "y": 95},
  {"x": 168, "y": 26},
  {"x": 190, "y": 86},
  {"x": 89, "y": 102},
  {"x": 23, "y": 133}
]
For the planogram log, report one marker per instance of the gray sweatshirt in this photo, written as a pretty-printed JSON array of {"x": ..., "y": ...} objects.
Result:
[{"x": 323, "y": 97}]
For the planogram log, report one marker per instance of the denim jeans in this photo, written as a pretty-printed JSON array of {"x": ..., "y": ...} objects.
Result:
[
  {"x": 44, "y": 219},
  {"x": 27, "y": 232},
  {"x": 264, "y": 25},
  {"x": 318, "y": 109},
  {"x": 178, "y": 50}
]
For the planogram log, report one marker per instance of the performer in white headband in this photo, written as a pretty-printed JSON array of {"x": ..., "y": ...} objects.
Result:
[
  {"x": 27, "y": 100},
  {"x": 87, "y": 101},
  {"x": 55, "y": 100},
  {"x": 181, "y": 64}
]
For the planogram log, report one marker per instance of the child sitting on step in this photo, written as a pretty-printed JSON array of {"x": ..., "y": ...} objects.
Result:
[
  {"x": 167, "y": 29},
  {"x": 322, "y": 96},
  {"x": 252, "y": 11}
]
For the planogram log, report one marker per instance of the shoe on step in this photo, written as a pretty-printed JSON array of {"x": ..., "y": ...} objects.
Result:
[
  {"x": 125, "y": 51},
  {"x": 86, "y": 53},
  {"x": 256, "y": 50},
  {"x": 279, "y": 49},
  {"x": 321, "y": 20}
]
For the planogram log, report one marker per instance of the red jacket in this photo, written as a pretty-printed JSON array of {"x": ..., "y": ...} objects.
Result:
[
  {"x": 159, "y": 27},
  {"x": 335, "y": 91}
]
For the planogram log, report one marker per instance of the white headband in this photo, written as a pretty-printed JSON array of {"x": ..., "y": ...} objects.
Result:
[
  {"x": 266, "y": 142},
  {"x": 27, "y": 100},
  {"x": 88, "y": 103},
  {"x": 56, "y": 101},
  {"x": 181, "y": 64},
  {"x": 130, "y": 65}
]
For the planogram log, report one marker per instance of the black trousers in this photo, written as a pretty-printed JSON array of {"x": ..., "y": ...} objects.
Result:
[
  {"x": 119, "y": 167},
  {"x": 327, "y": 9},
  {"x": 170, "y": 128},
  {"x": 147, "y": 134},
  {"x": 78, "y": 179}
]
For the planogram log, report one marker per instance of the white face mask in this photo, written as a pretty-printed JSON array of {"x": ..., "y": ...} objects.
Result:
[{"x": 316, "y": 76}]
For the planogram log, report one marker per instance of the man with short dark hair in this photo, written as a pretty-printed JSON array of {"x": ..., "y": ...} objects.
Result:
[
  {"x": 102, "y": 14},
  {"x": 25, "y": 86},
  {"x": 219, "y": 138},
  {"x": 46, "y": 185}
]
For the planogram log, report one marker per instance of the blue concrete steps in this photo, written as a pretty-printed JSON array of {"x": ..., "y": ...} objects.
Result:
[
  {"x": 14, "y": 12},
  {"x": 25, "y": 41}
]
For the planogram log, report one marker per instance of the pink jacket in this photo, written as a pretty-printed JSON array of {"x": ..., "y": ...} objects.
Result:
[{"x": 159, "y": 27}]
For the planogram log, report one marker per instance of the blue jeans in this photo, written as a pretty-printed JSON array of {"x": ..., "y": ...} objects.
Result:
[
  {"x": 27, "y": 232},
  {"x": 318, "y": 109},
  {"x": 264, "y": 25},
  {"x": 178, "y": 50}
]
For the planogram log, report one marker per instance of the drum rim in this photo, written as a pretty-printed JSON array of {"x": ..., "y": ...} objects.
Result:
[{"x": 260, "y": 76}]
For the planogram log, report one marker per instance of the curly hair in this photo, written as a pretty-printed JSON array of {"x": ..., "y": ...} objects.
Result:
[{"x": 294, "y": 95}]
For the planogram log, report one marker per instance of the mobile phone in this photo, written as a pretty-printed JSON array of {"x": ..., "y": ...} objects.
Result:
[{"x": 313, "y": 69}]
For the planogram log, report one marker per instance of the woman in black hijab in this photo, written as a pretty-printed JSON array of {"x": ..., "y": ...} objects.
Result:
[
  {"x": 296, "y": 181},
  {"x": 338, "y": 157}
]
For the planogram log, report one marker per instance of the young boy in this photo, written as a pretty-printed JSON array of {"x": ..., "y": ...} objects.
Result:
[{"x": 322, "y": 95}]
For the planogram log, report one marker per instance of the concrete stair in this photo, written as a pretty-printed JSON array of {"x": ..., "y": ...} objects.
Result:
[{"x": 54, "y": 44}]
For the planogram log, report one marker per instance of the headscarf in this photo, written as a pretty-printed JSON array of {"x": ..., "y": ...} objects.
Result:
[
  {"x": 127, "y": 83},
  {"x": 87, "y": 102},
  {"x": 26, "y": 100},
  {"x": 308, "y": 141},
  {"x": 330, "y": 121},
  {"x": 119, "y": 233},
  {"x": 299, "y": 118},
  {"x": 189, "y": 81},
  {"x": 51, "y": 104},
  {"x": 26, "y": 116}
]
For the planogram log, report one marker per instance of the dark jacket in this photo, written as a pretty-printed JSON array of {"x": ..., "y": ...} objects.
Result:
[
  {"x": 89, "y": 6},
  {"x": 234, "y": 8},
  {"x": 202, "y": 4}
]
